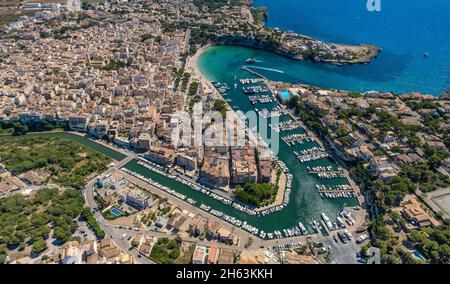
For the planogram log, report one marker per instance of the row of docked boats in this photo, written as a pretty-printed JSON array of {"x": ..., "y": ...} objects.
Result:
[
  {"x": 297, "y": 138},
  {"x": 336, "y": 191},
  {"x": 311, "y": 154},
  {"x": 221, "y": 87},
  {"x": 265, "y": 113},
  {"x": 328, "y": 170},
  {"x": 197, "y": 187},
  {"x": 330, "y": 175},
  {"x": 250, "y": 81},
  {"x": 232, "y": 220},
  {"x": 338, "y": 187},
  {"x": 288, "y": 125},
  {"x": 254, "y": 89},
  {"x": 335, "y": 195},
  {"x": 156, "y": 184},
  {"x": 263, "y": 99}
]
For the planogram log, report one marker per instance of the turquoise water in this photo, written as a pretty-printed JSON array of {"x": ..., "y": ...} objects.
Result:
[
  {"x": 417, "y": 255},
  {"x": 285, "y": 94},
  {"x": 116, "y": 212},
  {"x": 223, "y": 64},
  {"x": 404, "y": 29}
]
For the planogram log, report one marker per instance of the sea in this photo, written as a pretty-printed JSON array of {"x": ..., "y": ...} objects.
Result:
[{"x": 404, "y": 29}]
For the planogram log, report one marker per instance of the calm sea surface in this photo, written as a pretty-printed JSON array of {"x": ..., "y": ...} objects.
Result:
[{"x": 404, "y": 29}]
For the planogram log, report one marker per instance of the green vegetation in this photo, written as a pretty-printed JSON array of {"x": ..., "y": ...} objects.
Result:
[
  {"x": 64, "y": 29},
  {"x": 166, "y": 251},
  {"x": 424, "y": 176},
  {"x": 382, "y": 238},
  {"x": 16, "y": 128},
  {"x": 433, "y": 243},
  {"x": 114, "y": 65},
  {"x": 221, "y": 106},
  {"x": 192, "y": 102},
  {"x": 88, "y": 216},
  {"x": 311, "y": 118},
  {"x": 257, "y": 194},
  {"x": 30, "y": 221},
  {"x": 88, "y": 4},
  {"x": 64, "y": 162},
  {"x": 186, "y": 257},
  {"x": 259, "y": 14},
  {"x": 214, "y": 4},
  {"x": 185, "y": 81},
  {"x": 193, "y": 88},
  {"x": 148, "y": 36},
  {"x": 422, "y": 104}
]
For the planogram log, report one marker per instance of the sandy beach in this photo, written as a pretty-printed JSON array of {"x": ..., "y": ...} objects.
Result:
[{"x": 192, "y": 67}]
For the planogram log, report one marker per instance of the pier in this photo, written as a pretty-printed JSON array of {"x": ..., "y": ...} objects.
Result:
[{"x": 245, "y": 68}]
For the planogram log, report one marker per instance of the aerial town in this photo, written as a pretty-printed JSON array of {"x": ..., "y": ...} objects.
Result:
[{"x": 90, "y": 96}]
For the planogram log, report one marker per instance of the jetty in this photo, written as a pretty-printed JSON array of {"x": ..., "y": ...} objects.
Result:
[{"x": 245, "y": 68}]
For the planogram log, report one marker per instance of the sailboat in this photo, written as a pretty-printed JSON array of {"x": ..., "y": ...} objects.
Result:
[{"x": 426, "y": 54}]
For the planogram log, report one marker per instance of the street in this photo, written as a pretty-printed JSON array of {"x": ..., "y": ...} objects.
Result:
[{"x": 114, "y": 234}]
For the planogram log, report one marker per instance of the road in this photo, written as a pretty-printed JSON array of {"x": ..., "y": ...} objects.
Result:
[
  {"x": 242, "y": 234},
  {"x": 342, "y": 253},
  {"x": 114, "y": 234}
]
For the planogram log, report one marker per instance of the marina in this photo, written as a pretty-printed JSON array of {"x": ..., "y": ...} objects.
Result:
[
  {"x": 312, "y": 154},
  {"x": 287, "y": 125},
  {"x": 298, "y": 230},
  {"x": 293, "y": 139},
  {"x": 264, "y": 99},
  {"x": 301, "y": 197},
  {"x": 258, "y": 89},
  {"x": 250, "y": 81}
]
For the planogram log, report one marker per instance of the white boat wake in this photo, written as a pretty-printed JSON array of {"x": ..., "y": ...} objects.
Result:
[{"x": 267, "y": 69}]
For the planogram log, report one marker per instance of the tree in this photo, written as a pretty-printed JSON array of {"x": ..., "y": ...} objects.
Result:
[
  {"x": 293, "y": 102},
  {"x": 2, "y": 258},
  {"x": 174, "y": 254},
  {"x": 39, "y": 245},
  {"x": 435, "y": 161}
]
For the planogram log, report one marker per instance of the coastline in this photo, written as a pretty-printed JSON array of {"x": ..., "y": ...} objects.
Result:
[
  {"x": 371, "y": 51},
  {"x": 192, "y": 66}
]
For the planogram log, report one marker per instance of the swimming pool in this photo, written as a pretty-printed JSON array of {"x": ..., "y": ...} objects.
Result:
[
  {"x": 116, "y": 212},
  {"x": 417, "y": 255},
  {"x": 285, "y": 94}
]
